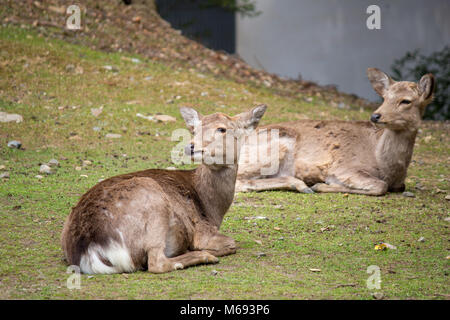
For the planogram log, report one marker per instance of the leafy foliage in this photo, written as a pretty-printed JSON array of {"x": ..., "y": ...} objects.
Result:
[
  {"x": 244, "y": 7},
  {"x": 413, "y": 65}
]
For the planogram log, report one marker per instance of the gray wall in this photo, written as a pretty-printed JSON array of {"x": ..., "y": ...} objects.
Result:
[{"x": 327, "y": 41}]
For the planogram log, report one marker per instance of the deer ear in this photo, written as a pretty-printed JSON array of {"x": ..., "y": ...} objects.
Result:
[
  {"x": 191, "y": 117},
  {"x": 380, "y": 81},
  {"x": 249, "y": 120},
  {"x": 426, "y": 86}
]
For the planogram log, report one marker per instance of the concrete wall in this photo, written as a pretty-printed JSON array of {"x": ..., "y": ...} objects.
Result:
[{"x": 327, "y": 41}]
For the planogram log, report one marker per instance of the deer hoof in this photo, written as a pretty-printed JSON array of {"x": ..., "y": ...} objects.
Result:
[
  {"x": 211, "y": 259},
  {"x": 178, "y": 266},
  {"x": 307, "y": 190}
]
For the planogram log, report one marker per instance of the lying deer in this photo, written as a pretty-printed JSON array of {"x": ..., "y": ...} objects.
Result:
[
  {"x": 360, "y": 157},
  {"x": 161, "y": 220}
]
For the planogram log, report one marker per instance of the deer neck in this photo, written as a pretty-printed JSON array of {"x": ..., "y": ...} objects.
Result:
[
  {"x": 215, "y": 187},
  {"x": 393, "y": 152}
]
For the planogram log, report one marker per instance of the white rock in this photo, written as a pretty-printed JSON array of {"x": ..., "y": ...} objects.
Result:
[
  {"x": 10, "y": 117},
  {"x": 4, "y": 175},
  {"x": 113, "y": 136},
  {"x": 96, "y": 111},
  {"x": 145, "y": 117},
  {"x": 45, "y": 169},
  {"x": 165, "y": 118},
  {"x": 53, "y": 163}
]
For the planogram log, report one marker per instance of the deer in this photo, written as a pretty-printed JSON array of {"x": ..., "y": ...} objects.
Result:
[
  {"x": 162, "y": 220},
  {"x": 358, "y": 157}
]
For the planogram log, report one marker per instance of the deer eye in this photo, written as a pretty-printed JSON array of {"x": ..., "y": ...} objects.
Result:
[
  {"x": 222, "y": 130},
  {"x": 405, "y": 102}
]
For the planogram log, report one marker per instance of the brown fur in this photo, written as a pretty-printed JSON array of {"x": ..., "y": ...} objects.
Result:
[
  {"x": 164, "y": 220},
  {"x": 347, "y": 156}
]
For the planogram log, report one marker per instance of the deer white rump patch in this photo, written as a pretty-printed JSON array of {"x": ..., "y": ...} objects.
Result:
[{"x": 116, "y": 253}]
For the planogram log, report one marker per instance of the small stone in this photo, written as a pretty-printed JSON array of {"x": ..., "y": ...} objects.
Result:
[
  {"x": 164, "y": 118},
  {"x": 45, "y": 169},
  {"x": 135, "y": 60},
  {"x": 214, "y": 272},
  {"x": 447, "y": 197},
  {"x": 390, "y": 246},
  {"x": 260, "y": 254},
  {"x": 276, "y": 228},
  {"x": 111, "y": 68},
  {"x": 427, "y": 139},
  {"x": 53, "y": 163},
  {"x": 10, "y": 117},
  {"x": 39, "y": 176},
  {"x": 421, "y": 239},
  {"x": 2, "y": 167},
  {"x": 342, "y": 105},
  {"x": 140, "y": 115},
  {"x": 78, "y": 168},
  {"x": 4, "y": 175},
  {"x": 15, "y": 144},
  {"x": 408, "y": 194},
  {"x": 258, "y": 242},
  {"x": 96, "y": 111},
  {"x": 378, "y": 296},
  {"x": 204, "y": 94},
  {"x": 86, "y": 163},
  {"x": 70, "y": 67},
  {"x": 315, "y": 270},
  {"x": 171, "y": 168},
  {"x": 113, "y": 136}
]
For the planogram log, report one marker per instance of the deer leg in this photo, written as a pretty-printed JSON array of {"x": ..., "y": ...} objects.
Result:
[
  {"x": 357, "y": 183},
  {"x": 216, "y": 244},
  {"x": 397, "y": 188},
  {"x": 280, "y": 183},
  {"x": 159, "y": 263}
]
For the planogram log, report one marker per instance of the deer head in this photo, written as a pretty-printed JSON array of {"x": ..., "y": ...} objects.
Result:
[
  {"x": 218, "y": 137},
  {"x": 404, "y": 102}
]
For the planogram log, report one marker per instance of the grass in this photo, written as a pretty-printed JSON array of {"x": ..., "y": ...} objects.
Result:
[{"x": 41, "y": 79}]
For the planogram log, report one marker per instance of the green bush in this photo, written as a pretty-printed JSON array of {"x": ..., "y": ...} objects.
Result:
[{"x": 413, "y": 65}]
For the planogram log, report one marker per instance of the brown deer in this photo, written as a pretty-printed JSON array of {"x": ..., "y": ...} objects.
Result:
[
  {"x": 161, "y": 220},
  {"x": 360, "y": 157}
]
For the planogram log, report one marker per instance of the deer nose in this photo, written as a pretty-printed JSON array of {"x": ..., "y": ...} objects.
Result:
[
  {"x": 375, "y": 117},
  {"x": 189, "y": 149}
]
